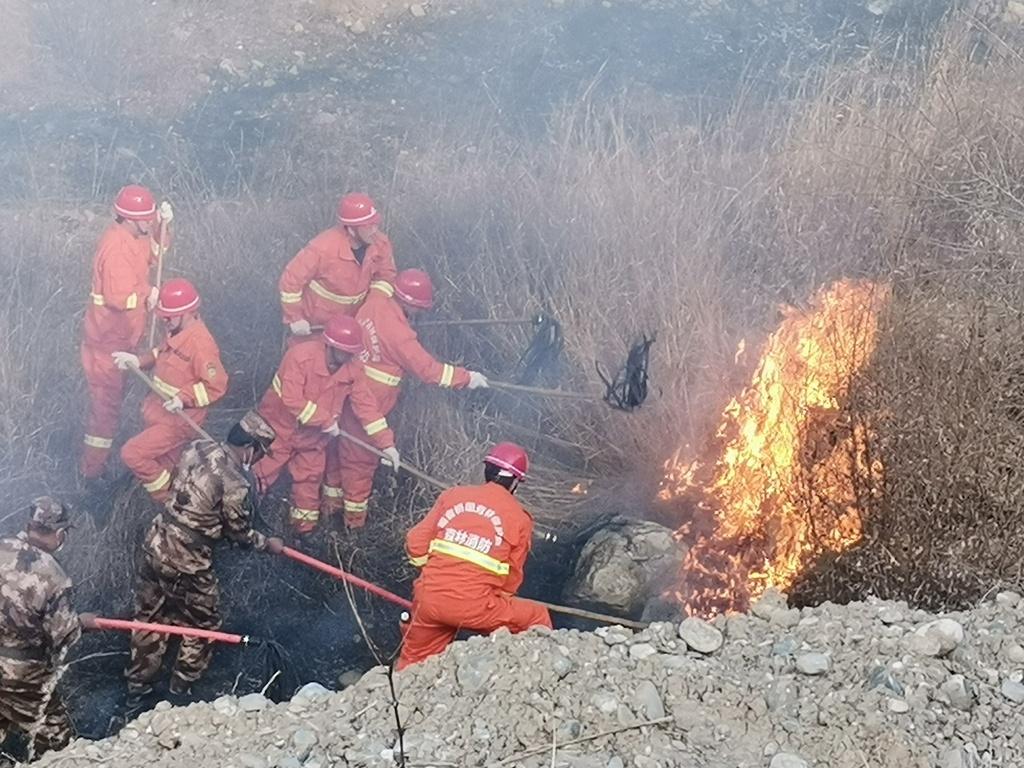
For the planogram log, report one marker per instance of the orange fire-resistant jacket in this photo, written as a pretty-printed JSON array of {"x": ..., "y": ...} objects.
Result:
[
  {"x": 305, "y": 392},
  {"x": 115, "y": 316},
  {"x": 393, "y": 350},
  {"x": 324, "y": 279},
  {"x": 187, "y": 365},
  {"x": 475, "y": 539}
]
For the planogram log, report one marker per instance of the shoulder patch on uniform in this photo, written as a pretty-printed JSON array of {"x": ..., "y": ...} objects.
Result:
[{"x": 211, "y": 370}]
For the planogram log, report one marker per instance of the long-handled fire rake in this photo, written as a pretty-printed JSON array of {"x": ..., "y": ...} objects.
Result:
[
  {"x": 341, "y": 575},
  {"x": 539, "y": 532}
]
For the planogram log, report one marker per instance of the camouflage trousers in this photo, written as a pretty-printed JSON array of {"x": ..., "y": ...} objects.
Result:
[
  {"x": 167, "y": 596},
  {"x": 23, "y": 686}
]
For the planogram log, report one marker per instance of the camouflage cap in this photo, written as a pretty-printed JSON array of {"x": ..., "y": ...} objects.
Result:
[
  {"x": 255, "y": 425},
  {"x": 47, "y": 512}
]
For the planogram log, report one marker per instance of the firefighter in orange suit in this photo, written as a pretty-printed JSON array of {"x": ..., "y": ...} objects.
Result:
[
  {"x": 115, "y": 316},
  {"x": 392, "y": 350},
  {"x": 472, "y": 546},
  {"x": 188, "y": 371},
  {"x": 305, "y": 398},
  {"x": 333, "y": 272}
]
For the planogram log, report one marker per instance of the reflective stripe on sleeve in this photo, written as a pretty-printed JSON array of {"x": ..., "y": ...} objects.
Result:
[
  {"x": 97, "y": 299},
  {"x": 132, "y": 302},
  {"x": 447, "y": 374},
  {"x": 276, "y": 385},
  {"x": 419, "y": 562},
  {"x": 384, "y": 287},
  {"x": 290, "y": 298},
  {"x": 376, "y": 426},
  {"x": 162, "y": 481},
  {"x": 460, "y": 552},
  {"x": 382, "y": 377},
  {"x": 202, "y": 397},
  {"x": 307, "y": 413}
]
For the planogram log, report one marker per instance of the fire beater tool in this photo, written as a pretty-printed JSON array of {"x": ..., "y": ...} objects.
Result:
[{"x": 338, "y": 573}]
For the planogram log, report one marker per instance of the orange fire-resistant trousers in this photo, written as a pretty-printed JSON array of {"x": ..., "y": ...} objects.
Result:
[
  {"x": 304, "y": 451},
  {"x": 105, "y": 385},
  {"x": 349, "y": 474},
  {"x": 152, "y": 454},
  {"x": 438, "y": 615}
]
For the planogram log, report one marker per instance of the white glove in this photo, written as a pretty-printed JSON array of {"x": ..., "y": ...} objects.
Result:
[
  {"x": 392, "y": 459},
  {"x": 333, "y": 429},
  {"x": 173, "y": 405},
  {"x": 166, "y": 212},
  {"x": 300, "y": 328},
  {"x": 125, "y": 360},
  {"x": 153, "y": 298},
  {"x": 477, "y": 380}
]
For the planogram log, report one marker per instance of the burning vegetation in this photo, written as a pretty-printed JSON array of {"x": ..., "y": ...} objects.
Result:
[{"x": 790, "y": 465}]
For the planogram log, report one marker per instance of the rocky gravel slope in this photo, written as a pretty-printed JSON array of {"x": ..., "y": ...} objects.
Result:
[{"x": 868, "y": 684}]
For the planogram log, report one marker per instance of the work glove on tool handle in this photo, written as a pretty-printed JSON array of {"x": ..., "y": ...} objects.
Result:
[
  {"x": 87, "y": 620},
  {"x": 393, "y": 459},
  {"x": 153, "y": 298},
  {"x": 300, "y": 328},
  {"x": 166, "y": 212},
  {"x": 477, "y": 380},
  {"x": 332, "y": 429},
  {"x": 125, "y": 360},
  {"x": 174, "y": 405}
]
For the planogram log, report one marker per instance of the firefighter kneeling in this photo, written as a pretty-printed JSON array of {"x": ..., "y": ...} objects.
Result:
[{"x": 472, "y": 547}]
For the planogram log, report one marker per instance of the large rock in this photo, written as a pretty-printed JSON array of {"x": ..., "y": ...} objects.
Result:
[{"x": 625, "y": 564}]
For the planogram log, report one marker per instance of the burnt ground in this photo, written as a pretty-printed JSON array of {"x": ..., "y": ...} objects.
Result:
[{"x": 508, "y": 65}]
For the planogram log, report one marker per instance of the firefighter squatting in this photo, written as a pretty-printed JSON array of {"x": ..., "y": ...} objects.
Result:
[{"x": 350, "y": 345}]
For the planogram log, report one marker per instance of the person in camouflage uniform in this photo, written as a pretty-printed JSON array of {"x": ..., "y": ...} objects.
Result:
[
  {"x": 176, "y": 584},
  {"x": 37, "y": 628}
]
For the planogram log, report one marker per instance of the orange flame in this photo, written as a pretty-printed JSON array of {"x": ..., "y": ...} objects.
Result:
[{"x": 794, "y": 468}]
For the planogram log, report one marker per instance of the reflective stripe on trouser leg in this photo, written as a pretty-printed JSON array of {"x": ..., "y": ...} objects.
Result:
[
  {"x": 301, "y": 515},
  {"x": 152, "y": 454},
  {"x": 353, "y": 469}
]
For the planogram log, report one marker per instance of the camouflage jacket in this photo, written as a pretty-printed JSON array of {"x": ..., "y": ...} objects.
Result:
[
  {"x": 209, "y": 501},
  {"x": 36, "y": 614}
]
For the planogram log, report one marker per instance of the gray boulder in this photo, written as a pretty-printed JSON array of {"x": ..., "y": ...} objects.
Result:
[{"x": 624, "y": 564}]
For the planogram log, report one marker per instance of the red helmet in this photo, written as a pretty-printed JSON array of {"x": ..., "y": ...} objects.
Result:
[
  {"x": 135, "y": 203},
  {"x": 357, "y": 210},
  {"x": 510, "y": 458},
  {"x": 414, "y": 287},
  {"x": 177, "y": 297},
  {"x": 344, "y": 333}
]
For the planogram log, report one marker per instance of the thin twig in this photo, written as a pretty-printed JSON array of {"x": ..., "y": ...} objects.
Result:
[
  {"x": 601, "y": 735},
  {"x": 270, "y": 682}
]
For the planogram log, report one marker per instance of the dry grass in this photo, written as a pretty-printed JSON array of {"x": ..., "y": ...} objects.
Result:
[{"x": 622, "y": 223}]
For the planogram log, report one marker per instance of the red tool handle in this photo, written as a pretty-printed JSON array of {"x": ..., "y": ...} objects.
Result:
[
  {"x": 337, "y": 573},
  {"x": 170, "y": 629}
]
